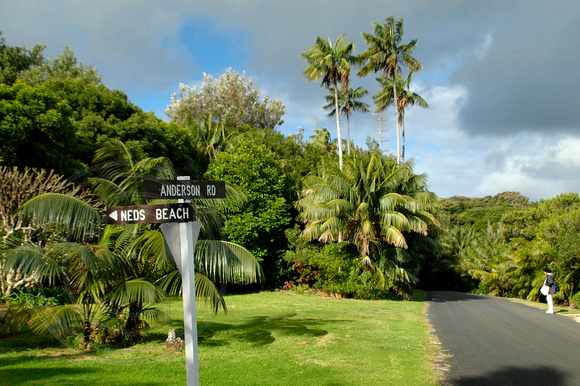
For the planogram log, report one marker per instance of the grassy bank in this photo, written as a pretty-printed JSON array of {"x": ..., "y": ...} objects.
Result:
[{"x": 266, "y": 338}]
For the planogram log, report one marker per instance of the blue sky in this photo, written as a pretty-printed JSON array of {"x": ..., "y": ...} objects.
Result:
[{"x": 500, "y": 77}]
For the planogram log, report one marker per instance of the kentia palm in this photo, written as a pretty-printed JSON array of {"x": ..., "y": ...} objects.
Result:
[
  {"x": 372, "y": 203},
  {"x": 406, "y": 98},
  {"x": 332, "y": 64},
  {"x": 139, "y": 250},
  {"x": 216, "y": 259},
  {"x": 348, "y": 102},
  {"x": 385, "y": 54}
]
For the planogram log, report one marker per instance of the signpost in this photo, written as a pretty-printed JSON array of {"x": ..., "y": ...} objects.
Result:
[{"x": 181, "y": 231}]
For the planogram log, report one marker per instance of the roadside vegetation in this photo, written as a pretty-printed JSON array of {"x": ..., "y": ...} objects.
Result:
[{"x": 301, "y": 215}]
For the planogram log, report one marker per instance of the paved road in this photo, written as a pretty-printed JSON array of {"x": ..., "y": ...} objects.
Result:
[{"x": 494, "y": 341}]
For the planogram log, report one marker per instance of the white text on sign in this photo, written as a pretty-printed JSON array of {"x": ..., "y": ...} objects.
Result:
[
  {"x": 179, "y": 190},
  {"x": 150, "y": 214},
  {"x": 131, "y": 215},
  {"x": 166, "y": 214}
]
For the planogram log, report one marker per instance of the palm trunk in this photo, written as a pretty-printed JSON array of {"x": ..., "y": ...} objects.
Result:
[
  {"x": 403, "y": 139},
  {"x": 132, "y": 326},
  {"x": 397, "y": 118},
  {"x": 348, "y": 133},
  {"x": 87, "y": 326},
  {"x": 338, "y": 126}
]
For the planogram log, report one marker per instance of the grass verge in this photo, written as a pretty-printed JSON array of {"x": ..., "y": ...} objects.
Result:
[{"x": 266, "y": 338}]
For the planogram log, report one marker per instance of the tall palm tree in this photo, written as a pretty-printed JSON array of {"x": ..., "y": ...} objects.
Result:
[
  {"x": 385, "y": 54},
  {"x": 348, "y": 102},
  {"x": 406, "y": 98},
  {"x": 331, "y": 63},
  {"x": 373, "y": 203}
]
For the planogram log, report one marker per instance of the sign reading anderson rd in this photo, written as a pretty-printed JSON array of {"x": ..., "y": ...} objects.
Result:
[
  {"x": 186, "y": 189},
  {"x": 150, "y": 214}
]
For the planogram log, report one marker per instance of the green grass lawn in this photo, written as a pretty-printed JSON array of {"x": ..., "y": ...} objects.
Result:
[{"x": 265, "y": 339}]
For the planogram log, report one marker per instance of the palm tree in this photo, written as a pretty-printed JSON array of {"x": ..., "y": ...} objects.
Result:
[
  {"x": 115, "y": 270},
  {"x": 406, "y": 98},
  {"x": 373, "y": 203},
  {"x": 332, "y": 64},
  {"x": 83, "y": 262},
  {"x": 348, "y": 102},
  {"x": 385, "y": 54},
  {"x": 216, "y": 259},
  {"x": 486, "y": 259}
]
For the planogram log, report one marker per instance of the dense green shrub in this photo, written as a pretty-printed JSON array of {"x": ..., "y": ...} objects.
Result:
[
  {"x": 334, "y": 269},
  {"x": 575, "y": 301}
]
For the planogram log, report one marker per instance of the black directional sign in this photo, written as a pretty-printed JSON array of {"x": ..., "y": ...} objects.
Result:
[
  {"x": 150, "y": 214},
  {"x": 186, "y": 189}
]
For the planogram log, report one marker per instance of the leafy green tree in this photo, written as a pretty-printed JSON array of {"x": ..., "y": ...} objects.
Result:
[
  {"x": 59, "y": 113},
  {"x": 259, "y": 225},
  {"x": 541, "y": 236},
  {"x": 373, "y": 203},
  {"x": 348, "y": 102},
  {"x": 331, "y": 63},
  {"x": 62, "y": 67},
  {"x": 16, "y": 60},
  {"x": 386, "y": 54},
  {"x": 36, "y": 129},
  {"x": 486, "y": 260},
  {"x": 231, "y": 100}
]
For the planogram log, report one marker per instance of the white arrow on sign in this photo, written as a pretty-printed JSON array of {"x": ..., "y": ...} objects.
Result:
[{"x": 114, "y": 215}]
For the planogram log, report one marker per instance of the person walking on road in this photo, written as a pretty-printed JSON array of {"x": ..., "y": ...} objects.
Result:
[{"x": 551, "y": 283}]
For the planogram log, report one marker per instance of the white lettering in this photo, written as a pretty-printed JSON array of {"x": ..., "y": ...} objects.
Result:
[
  {"x": 163, "y": 192},
  {"x": 211, "y": 190}
]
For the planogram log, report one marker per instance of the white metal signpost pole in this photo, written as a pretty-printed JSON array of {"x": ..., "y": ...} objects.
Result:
[{"x": 187, "y": 234}]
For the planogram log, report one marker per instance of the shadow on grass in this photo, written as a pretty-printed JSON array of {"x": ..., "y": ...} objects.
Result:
[
  {"x": 259, "y": 330},
  {"x": 24, "y": 341},
  {"x": 40, "y": 374}
]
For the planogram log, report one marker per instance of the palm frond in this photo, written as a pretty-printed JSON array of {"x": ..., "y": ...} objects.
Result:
[
  {"x": 225, "y": 261},
  {"x": 77, "y": 218},
  {"x": 58, "y": 320},
  {"x": 138, "y": 290}
]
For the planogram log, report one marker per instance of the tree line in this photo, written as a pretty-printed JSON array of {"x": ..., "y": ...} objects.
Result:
[{"x": 298, "y": 215}]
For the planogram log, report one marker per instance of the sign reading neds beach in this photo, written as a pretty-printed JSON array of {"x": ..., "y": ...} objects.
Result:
[
  {"x": 186, "y": 189},
  {"x": 150, "y": 214}
]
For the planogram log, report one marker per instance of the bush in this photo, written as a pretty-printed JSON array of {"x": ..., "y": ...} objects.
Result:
[
  {"x": 335, "y": 269},
  {"x": 575, "y": 301},
  {"x": 20, "y": 307}
]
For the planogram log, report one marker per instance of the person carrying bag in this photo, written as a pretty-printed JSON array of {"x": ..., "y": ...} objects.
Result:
[{"x": 549, "y": 289}]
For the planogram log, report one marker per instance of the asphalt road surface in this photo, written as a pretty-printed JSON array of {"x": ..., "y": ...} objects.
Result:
[{"x": 494, "y": 341}]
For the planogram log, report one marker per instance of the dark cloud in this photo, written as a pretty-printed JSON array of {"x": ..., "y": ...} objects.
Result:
[{"x": 526, "y": 79}]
